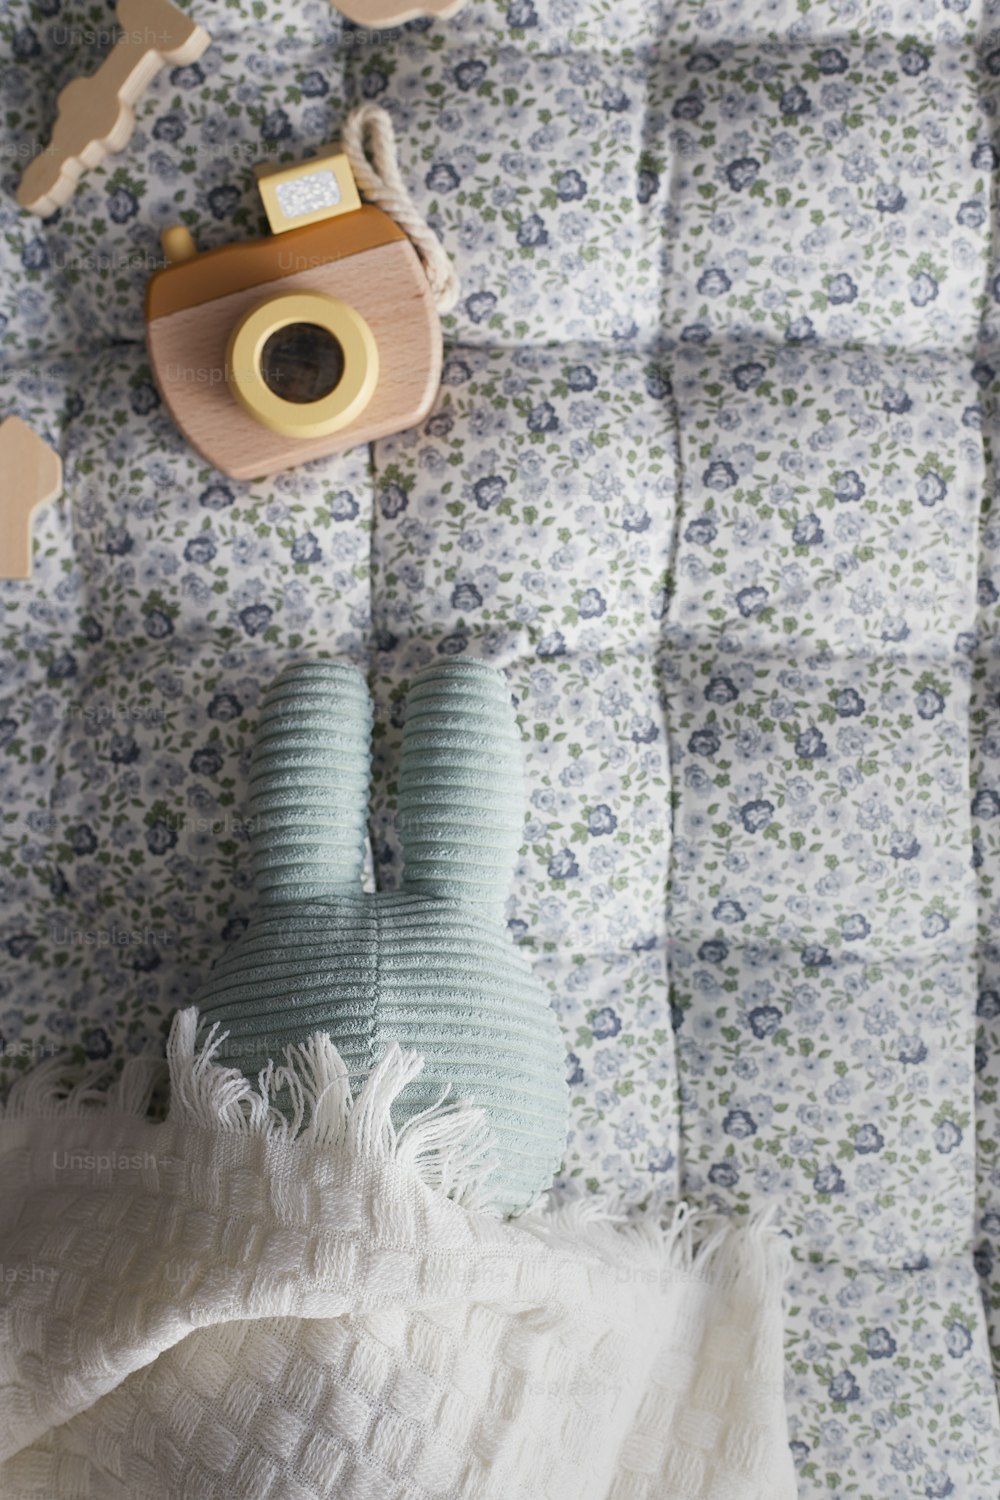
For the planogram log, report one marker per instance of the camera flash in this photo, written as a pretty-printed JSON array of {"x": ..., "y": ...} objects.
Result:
[
  {"x": 307, "y": 192},
  {"x": 304, "y": 195}
]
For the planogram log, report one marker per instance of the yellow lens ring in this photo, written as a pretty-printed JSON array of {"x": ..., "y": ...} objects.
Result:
[{"x": 293, "y": 419}]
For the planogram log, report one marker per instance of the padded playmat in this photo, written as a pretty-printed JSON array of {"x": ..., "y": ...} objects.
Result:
[{"x": 711, "y": 477}]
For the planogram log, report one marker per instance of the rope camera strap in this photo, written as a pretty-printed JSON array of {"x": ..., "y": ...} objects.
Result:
[{"x": 369, "y": 142}]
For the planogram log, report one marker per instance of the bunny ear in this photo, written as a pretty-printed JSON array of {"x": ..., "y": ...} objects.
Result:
[
  {"x": 309, "y": 777},
  {"x": 461, "y": 795}
]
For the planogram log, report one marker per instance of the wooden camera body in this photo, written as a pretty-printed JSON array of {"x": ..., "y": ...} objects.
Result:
[{"x": 279, "y": 350}]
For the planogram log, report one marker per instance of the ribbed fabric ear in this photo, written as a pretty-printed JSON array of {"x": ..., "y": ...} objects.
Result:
[
  {"x": 461, "y": 794},
  {"x": 309, "y": 777}
]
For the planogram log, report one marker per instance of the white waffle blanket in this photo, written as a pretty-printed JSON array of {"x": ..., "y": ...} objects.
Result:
[{"x": 239, "y": 1303}]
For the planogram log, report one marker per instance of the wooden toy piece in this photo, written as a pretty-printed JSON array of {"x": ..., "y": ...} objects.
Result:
[
  {"x": 395, "y": 12},
  {"x": 362, "y": 268},
  {"x": 96, "y": 115},
  {"x": 30, "y": 474}
]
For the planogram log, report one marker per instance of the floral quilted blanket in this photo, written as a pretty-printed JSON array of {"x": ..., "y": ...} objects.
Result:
[{"x": 711, "y": 476}]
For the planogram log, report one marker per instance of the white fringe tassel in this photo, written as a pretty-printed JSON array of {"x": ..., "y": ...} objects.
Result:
[
  {"x": 447, "y": 1146},
  {"x": 58, "y": 1087}
]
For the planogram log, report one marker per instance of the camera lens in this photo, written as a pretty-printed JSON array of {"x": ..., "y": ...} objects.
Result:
[{"x": 302, "y": 362}]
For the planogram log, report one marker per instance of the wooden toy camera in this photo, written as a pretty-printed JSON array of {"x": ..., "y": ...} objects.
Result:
[{"x": 275, "y": 351}]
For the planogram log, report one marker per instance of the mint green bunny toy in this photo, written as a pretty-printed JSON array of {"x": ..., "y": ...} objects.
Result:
[{"x": 431, "y": 965}]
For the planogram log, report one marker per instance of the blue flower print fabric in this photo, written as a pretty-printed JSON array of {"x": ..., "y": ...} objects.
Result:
[{"x": 711, "y": 475}]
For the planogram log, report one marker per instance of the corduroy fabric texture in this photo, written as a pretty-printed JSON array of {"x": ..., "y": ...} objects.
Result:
[
  {"x": 246, "y": 1304},
  {"x": 432, "y": 965},
  {"x": 309, "y": 782}
]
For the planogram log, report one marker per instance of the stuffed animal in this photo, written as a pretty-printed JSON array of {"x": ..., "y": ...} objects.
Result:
[{"x": 430, "y": 965}]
